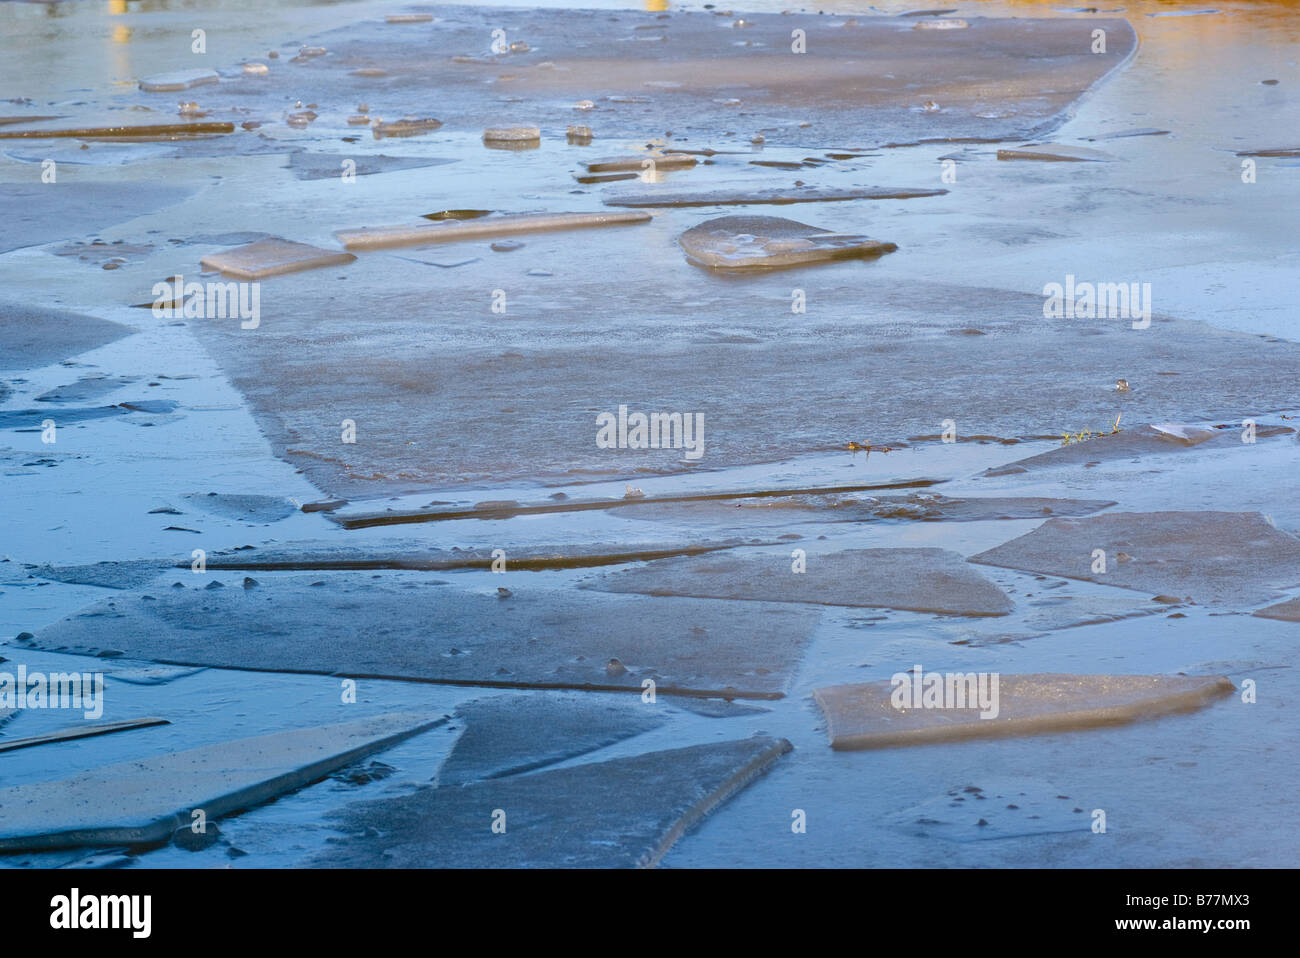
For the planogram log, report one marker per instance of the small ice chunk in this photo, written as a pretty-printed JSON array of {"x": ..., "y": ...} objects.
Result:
[
  {"x": 512, "y": 134},
  {"x": 256, "y": 69},
  {"x": 180, "y": 80},
  {"x": 408, "y": 18},
  {"x": 747, "y": 242}
]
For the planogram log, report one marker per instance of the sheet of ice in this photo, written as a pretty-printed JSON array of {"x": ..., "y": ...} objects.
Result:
[
  {"x": 1288, "y": 611},
  {"x": 1138, "y": 442},
  {"x": 508, "y": 735},
  {"x": 863, "y": 716},
  {"x": 85, "y": 730},
  {"x": 315, "y": 556},
  {"x": 461, "y": 633},
  {"x": 273, "y": 257},
  {"x": 323, "y": 166},
  {"x": 767, "y": 242},
  {"x": 922, "y": 580},
  {"x": 451, "y": 231},
  {"x": 636, "y": 164},
  {"x": 180, "y": 80},
  {"x": 647, "y": 803},
  {"x": 31, "y": 336},
  {"x": 875, "y": 67},
  {"x": 919, "y": 506},
  {"x": 764, "y": 197},
  {"x": 1233, "y": 559},
  {"x": 1055, "y": 152},
  {"x": 129, "y": 132},
  {"x": 34, "y": 214},
  {"x": 145, "y": 800}
]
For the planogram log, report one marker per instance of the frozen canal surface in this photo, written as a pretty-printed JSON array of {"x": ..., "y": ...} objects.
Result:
[{"x": 456, "y": 405}]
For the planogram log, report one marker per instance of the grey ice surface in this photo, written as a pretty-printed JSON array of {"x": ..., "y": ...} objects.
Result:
[{"x": 507, "y": 735}]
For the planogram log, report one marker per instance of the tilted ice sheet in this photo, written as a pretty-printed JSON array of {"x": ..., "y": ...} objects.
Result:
[{"x": 863, "y": 716}]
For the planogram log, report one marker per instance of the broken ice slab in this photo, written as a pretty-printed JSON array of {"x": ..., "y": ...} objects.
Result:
[
  {"x": 920, "y": 506},
  {"x": 303, "y": 557},
  {"x": 1288, "y": 611},
  {"x": 772, "y": 197},
  {"x": 145, "y": 799},
  {"x": 622, "y": 164},
  {"x": 31, "y": 336},
  {"x": 510, "y": 509},
  {"x": 1055, "y": 152},
  {"x": 180, "y": 80},
  {"x": 749, "y": 242},
  {"x": 80, "y": 730},
  {"x": 381, "y": 237},
  {"x": 1232, "y": 558},
  {"x": 406, "y": 126},
  {"x": 919, "y": 580},
  {"x": 458, "y": 634},
  {"x": 272, "y": 257},
  {"x": 507, "y": 735},
  {"x": 864, "y": 716},
  {"x": 1131, "y": 443},
  {"x": 408, "y": 18},
  {"x": 1273, "y": 151},
  {"x": 996, "y": 808},
  {"x": 645, "y": 804},
  {"x": 952, "y": 24}
]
